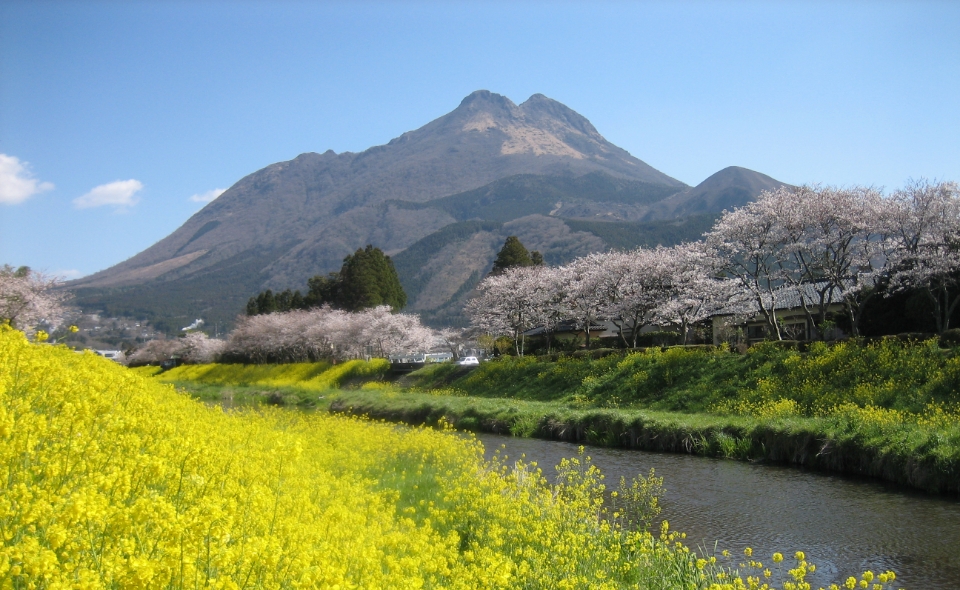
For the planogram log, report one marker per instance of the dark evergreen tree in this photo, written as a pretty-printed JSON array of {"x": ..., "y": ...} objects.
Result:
[
  {"x": 537, "y": 258},
  {"x": 266, "y": 302},
  {"x": 512, "y": 254},
  {"x": 323, "y": 290},
  {"x": 368, "y": 279},
  {"x": 296, "y": 302},
  {"x": 283, "y": 300}
]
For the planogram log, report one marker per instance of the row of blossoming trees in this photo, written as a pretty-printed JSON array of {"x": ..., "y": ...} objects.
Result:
[
  {"x": 302, "y": 336},
  {"x": 30, "y": 300},
  {"x": 819, "y": 245}
]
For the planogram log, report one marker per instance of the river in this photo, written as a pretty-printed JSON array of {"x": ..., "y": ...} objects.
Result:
[{"x": 844, "y": 525}]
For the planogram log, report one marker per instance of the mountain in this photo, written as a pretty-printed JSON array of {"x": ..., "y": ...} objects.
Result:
[
  {"x": 439, "y": 272},
  {"x": 529, "y": 168},
  {"x": 730, "y": 188},
  {"x": 594, "y": 193}
]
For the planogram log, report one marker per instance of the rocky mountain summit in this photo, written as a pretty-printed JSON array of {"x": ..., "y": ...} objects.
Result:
[{"x": 530, "y": 170}]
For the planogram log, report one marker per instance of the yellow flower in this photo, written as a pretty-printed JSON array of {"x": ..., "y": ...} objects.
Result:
[
  {"x": 269, "y": 498},
  {"x": 41, "y": 336},
  {"x": 748, "y": 552},
  {"x": 777, "y": 557}
]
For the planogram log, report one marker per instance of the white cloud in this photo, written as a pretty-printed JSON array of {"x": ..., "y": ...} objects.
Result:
[
  {"x": 208, "y": 196},
  {"x": 16, "y": 182},
  {"x": 120, "y": 193}
]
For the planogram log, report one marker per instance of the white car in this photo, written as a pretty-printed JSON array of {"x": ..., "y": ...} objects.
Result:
[{"x": 468, "y": 360}]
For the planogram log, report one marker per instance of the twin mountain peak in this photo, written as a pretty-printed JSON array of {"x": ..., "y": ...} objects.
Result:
[{"x": 440, "y": 200}]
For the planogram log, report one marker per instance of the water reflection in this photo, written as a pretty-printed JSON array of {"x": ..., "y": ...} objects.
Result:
[{"x": 844, "y": 525}]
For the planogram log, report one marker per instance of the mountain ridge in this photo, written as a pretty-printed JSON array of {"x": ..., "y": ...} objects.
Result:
[{"x": 294, "y": 219}]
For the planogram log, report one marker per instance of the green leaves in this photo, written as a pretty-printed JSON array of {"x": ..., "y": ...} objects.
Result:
[
  {"x": 513, "y": 254},
  {"x": 368, "y": 279}
]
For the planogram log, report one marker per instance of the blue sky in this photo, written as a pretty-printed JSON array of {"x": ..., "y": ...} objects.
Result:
[{"x": 118, "y": 118}]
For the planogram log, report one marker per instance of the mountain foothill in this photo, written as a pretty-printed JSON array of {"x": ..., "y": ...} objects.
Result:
[{"x": 439, "y": 200}]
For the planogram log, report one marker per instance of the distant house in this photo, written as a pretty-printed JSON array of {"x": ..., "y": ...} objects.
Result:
[
  {"x": 794, "y": 324},
  {"x": 568, "y": 330},
  {"x": 603, "y": 330},
  {"x": 114, "y": 355}
]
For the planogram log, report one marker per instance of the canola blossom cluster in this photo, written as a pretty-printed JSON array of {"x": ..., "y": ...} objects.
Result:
[
  {"x": 319, "y": 376},
  {"x": 109, "y": 479}
]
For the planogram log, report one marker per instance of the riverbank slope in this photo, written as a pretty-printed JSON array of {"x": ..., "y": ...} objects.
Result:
[{"x": 886, "y": 409}]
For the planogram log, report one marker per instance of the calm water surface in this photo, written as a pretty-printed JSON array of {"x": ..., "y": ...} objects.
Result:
[{"x": 845, "y": 525}]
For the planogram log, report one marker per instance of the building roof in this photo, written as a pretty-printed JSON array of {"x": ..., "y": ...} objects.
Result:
[
  {"x": 568, "y": 326},
  {"x": 788, "y": 297}
]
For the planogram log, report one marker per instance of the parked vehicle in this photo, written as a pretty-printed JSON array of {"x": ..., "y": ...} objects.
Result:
[{"x": 468, "y": 360}]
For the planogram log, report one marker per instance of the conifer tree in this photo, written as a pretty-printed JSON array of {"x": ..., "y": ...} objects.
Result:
[
  {"x": 323, "y": 290},
  {"x": 266, "y": 302},
  {"x": 283, "y": 300},
  {"x": 512, "y": 254},
  {"x": 296, "y": 302},
  {"x": 368, "y": 279}
]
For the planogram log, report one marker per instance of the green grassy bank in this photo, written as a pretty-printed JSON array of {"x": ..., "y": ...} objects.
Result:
[
  {"x": 770, "y": 378},
  {"x": 887, "y": 409},
  {"x": 904, "y": 453}
]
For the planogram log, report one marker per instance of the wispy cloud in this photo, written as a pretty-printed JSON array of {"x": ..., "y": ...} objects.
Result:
[
  {"x": 120, "y": 193},
  {"x": 17, "y": 184},
  {"x": 208, "y": 196}
]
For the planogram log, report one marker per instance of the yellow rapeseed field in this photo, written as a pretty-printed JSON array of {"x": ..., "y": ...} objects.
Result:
[
  {"x": 320, "y": 376},
  {"x": 109, "y": 479}
]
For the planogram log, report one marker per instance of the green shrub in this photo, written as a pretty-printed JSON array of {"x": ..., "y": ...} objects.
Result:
[{"x": 950, "y": 338}]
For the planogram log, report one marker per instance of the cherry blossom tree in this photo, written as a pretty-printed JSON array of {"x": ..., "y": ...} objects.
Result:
[
  {"x": 29, "y": 298},
  {"x": 750, "y": 246},
  {"x": 198, "y": 348},
  {"x": 586, "y": 291},
  {"x": 507, "y": 303},
  {"x": 825, "y": 245},
  {"x": 272, "y": 337},
  {"x": 835, "y": 246},
  {"x": 394, "y": 333},
  {"x": 692, "y": 292},
  {"x": 636, "y": 284},
  {"x": 454, "y": 340},
  {"x": 154, "y": 352},
  {"x": 547, "y": 289},
  {"x": 318, "y": 333},
  {"x": 925, "y": 226}
]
